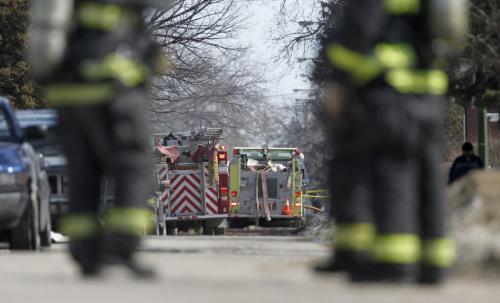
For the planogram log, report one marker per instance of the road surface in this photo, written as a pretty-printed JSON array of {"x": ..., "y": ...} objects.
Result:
[{"x": 215, "y": 269}]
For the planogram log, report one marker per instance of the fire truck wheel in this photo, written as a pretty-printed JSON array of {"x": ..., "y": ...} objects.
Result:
[
  {"x": 208, "y": 231},
  {"x": 171, "y": 230},
  {"x": 296, "y": 224},
  {"x": 234, "y": 223}
]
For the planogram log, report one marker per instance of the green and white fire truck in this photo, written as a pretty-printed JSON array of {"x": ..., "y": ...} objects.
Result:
[{"x": 266, "y": 187}]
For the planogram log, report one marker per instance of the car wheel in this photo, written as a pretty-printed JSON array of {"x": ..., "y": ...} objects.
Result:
[
  {"x": 25, "y": 235},
  {"x": 170, "y": 231},
  {"x": 45, "y": 237}
]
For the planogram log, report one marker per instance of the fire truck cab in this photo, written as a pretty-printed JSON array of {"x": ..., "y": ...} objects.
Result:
[
  {"x": 191, "y": 171},
  {"x": 265, "y": 187}
]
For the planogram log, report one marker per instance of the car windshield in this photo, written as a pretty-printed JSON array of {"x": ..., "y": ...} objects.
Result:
[{"x": 5, "y": 127}]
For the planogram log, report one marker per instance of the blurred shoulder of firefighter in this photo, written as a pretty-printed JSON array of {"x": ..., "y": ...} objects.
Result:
[{"x": 385, "y": 82}]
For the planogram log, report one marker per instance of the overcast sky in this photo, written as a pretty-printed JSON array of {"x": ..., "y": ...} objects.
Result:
[{"x": 281, "y": 77}]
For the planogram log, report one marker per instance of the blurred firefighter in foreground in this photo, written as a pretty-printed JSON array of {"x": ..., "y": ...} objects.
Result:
[
  {"x": 385, "y": 98},
  {"x": 92, "y": 57}
]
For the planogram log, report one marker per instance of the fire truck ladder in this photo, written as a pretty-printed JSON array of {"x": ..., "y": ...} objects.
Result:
[
  {"x": 164, "y": 186},
  {"x": 210, "y": 134}
]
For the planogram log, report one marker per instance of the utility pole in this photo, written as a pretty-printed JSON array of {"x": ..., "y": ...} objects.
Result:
[{"x": 482, "y": 135}]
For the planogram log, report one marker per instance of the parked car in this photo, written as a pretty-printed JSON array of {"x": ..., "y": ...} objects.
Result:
[
  {"x": 52, "y": 151},
  {"x": 24, "y": 186}
]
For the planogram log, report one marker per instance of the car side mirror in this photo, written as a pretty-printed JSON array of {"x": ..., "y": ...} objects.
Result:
[{"x": 35, "y": 132}]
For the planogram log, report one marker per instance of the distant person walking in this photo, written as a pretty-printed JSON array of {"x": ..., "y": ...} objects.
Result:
[{"x": 464, "y": 163}]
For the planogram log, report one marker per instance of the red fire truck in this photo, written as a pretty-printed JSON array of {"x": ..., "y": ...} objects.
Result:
[{"x": 192, "y": 175}]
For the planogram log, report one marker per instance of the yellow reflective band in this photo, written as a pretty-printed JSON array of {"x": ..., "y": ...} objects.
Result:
[
  {"x": 150, "y": 202},
  {"x": 316, "y": 197},
  {"x": 401, "y": 79},
  {"x": 438, "y": 252},
  {"x": 396, "y": 60},
  {"x": 397, "y": 248},
  {"x": 234, "y": 185},
  {"x": 131, "y": 221},
  {"x": 128, "y": 71},
  {"x": 396, "y": 55},
  {"x": 80, "y": 226},
  {"x": 354, "y": 236},
  {"x": 409, "y": 81},
  {"x": 363, "y": 68},
  {"x": 78, "y": 94},
  {"x": 105, "y": 17},
  {"x": 437, "y": 82},
  {"x": 402, "y": 7},
  {"x": 316, "y": 191}
]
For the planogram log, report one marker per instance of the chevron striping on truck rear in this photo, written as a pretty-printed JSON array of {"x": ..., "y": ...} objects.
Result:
[{"x": 185, "y": 194}]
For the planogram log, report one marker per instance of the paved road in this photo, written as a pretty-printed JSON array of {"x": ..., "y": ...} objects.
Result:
[{"x": 215, "y": 269}]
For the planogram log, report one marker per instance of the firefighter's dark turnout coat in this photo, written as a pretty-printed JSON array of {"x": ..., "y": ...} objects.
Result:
[
  {"x": 99, "y": 90},
  {"x": 388, "y": 205}
]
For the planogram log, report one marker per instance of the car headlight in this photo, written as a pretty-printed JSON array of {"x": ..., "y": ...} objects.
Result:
[{"x": 12, "y": 179}]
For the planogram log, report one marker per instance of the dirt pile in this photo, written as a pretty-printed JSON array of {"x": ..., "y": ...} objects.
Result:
[
  {"x": 473, "y": 219},
  {"x": 474, "y": 222},
  {"x": 318, "y": 227}
]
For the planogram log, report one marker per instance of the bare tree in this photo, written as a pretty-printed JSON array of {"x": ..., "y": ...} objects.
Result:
[
  {"x": 478, "y": 76},
  {"x": 299, "y": 23},
  {"x": 306, "y": 29},
  {"x": 306, "y": 129},
  {"x": 208, "y": 84},
  {"x": 194, "y": 32},
  {"x": 227, "y": 95}
]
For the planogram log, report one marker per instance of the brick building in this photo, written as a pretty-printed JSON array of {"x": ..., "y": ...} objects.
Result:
[{"x": 471, "y": 131}]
